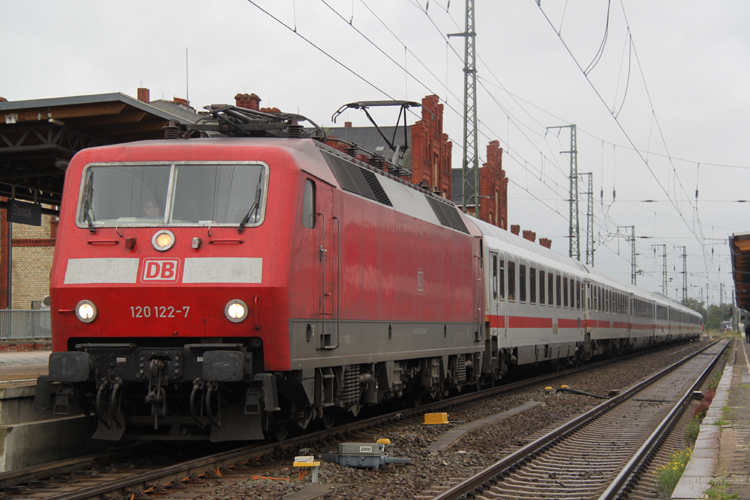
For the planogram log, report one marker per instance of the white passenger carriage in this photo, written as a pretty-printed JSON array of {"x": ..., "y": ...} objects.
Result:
[{"x": 542, "y": 306}]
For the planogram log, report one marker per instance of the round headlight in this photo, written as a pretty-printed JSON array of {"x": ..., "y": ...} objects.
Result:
[
  {"x": 86, "y": 311},
  {"x": 163, "y": 240},
  {"x": 235, "y": 311}
]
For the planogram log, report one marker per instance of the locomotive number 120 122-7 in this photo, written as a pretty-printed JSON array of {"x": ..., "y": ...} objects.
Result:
[{"x": 158, "y": 311}]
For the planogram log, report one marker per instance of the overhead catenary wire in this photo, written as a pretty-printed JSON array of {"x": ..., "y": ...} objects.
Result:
[{"x": 485, "y": 129}]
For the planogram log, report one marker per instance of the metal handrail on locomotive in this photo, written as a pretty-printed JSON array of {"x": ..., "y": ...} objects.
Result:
[{"x": 252, "y": 280}]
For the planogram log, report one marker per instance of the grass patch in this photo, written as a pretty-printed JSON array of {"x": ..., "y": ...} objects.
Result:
[
  {"x": 669, "y": 474},
  {"x": 693, "y": 428},
  {"x": 719, "y": 490},
  {"x": 715, "y": 382}
]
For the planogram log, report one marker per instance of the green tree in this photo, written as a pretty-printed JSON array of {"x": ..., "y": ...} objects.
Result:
[
  {"x": 717, "y": 315},
  {"x": 696, "y": 306}
]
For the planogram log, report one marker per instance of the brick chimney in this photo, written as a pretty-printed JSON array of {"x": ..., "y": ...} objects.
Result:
[
  {"x": 247, "y": 101},
  {"x": 181, "y": 101},
  {"x": 515, "y": 229},
  {"x": 529, "y": 235},
  {"x": 3, "y": 99},
  {"x": 347, "y": 124},
  {"x": 144, "y": 95},
  {"x": 545, "y": 242}
]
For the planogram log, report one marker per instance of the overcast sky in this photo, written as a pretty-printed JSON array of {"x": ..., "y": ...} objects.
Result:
[{"x": 658, "y": 91}]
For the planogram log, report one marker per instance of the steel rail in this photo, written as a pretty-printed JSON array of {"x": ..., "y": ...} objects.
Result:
[
  {"x": 636, "y": 465},
  {"x": 60, "y": 467},
  {"x": 238, "y": 455},
  {"x": 477, "y": 484}
]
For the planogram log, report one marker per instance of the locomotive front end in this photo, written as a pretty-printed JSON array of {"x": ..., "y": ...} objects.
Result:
[{"x": 165, "y": 300}]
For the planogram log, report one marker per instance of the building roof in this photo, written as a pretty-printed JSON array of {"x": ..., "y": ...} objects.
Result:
[
  {"x": 370, "y": 140},
  {"x": 39, "y": 136}
]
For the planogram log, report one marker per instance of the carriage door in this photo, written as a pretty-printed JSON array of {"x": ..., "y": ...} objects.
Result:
[
  {"x": 497, "y": 321},
  {"x": 330, "y": 261},
  {"x": 588, "y": 305}
]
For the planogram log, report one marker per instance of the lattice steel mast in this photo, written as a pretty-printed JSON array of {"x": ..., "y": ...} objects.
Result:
[
  {"x": 574, "y": 229},
  {"x": 470, "y": 179},
  {"x": 664, "y": 266},
  {"x": 589, "y": 219},
  {"x": 633, "y": 267},
  {"x": 684, "y": 275}
]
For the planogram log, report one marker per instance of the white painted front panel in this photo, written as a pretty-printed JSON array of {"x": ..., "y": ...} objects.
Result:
[
  {"x": 100, "y": 271},
  {"x": 223, "y": 270}
]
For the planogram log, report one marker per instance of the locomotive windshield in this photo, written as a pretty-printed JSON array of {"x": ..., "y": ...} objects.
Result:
[{"x": 173, "y": 194}]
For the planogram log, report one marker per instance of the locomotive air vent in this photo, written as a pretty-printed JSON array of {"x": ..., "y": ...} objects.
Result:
[
  {"x": 356, "y": 180},
  {"x": 377, "y": 189}
]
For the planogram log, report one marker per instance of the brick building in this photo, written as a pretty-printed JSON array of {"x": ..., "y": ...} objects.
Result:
[
  {"x": 32, "y": 250},
  {"x": 493, "y": 189},
  {"x": 37, "y": 139}
]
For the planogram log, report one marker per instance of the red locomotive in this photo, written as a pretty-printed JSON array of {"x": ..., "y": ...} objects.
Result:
[{"x": 232, "y": 287}]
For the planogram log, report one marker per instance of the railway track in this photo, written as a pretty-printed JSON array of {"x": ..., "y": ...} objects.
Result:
[
  {"x": 134, "y": 470},
  {"x": 601, "y": 454}
]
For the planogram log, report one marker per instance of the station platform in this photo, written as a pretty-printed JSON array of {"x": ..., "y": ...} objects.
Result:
[
  {"x": 23, "y": 366},
  {"x": 721, "y": 457}
]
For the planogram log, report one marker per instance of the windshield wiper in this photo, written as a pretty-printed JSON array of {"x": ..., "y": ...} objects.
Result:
[
  {"x": 253, "y": 208},
  {"x": 86, "y": 199}
]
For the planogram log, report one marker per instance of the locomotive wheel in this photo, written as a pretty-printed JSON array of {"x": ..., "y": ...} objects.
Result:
[
  {"x": 328, "y": 420},
  {"x": 415, "y": 399},
  {"x": 278, "y": 433},
  {"x": 304, "y": 422}
]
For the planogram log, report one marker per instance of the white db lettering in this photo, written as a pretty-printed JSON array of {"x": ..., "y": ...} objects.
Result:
[{"x": 160, "y": 270}]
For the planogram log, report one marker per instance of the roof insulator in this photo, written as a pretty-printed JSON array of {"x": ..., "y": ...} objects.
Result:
[{"x": 170, "y": 130}]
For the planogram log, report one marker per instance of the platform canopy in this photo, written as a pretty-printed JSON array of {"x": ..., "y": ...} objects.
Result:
[
  {"x": 739, "y": 245},
  {"x": 39, "y": 137}
]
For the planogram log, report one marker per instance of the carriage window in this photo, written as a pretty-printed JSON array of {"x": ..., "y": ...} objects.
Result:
[
  {"x": 541, "y": 287},
  {"x": 578, "y": 294},
  {"x": 502, "y": 279},
  {"x": 522, "y": 281},
  {"x": 558, "y": 291},
  {"x": 550, "y": 289},
  {"x": 511, "y": 280},
  {"x": 572, "y": 294},
  {"x": 565, "y": 292},
  {"x": 308, "y": 205},
  {"x": 606, "y": 300},
  {"x": 588, "y": 296},
  {"x": 601, "y": 301},
  {"x": 494, "y": 276},
  {"x": 532, "y": 285}
]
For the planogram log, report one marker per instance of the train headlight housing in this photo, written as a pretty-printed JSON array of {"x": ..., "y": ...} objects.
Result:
[
  {"x": 86, "y": 311},
  {"x": 163, "y": 240},
  {"x": 235, "y": 311}
]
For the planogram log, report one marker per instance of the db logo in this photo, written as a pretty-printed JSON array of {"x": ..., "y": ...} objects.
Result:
[{"x": 160, "y": 270}]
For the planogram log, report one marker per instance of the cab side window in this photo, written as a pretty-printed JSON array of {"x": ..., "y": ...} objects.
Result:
[{"x": 308, "y": 205}]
